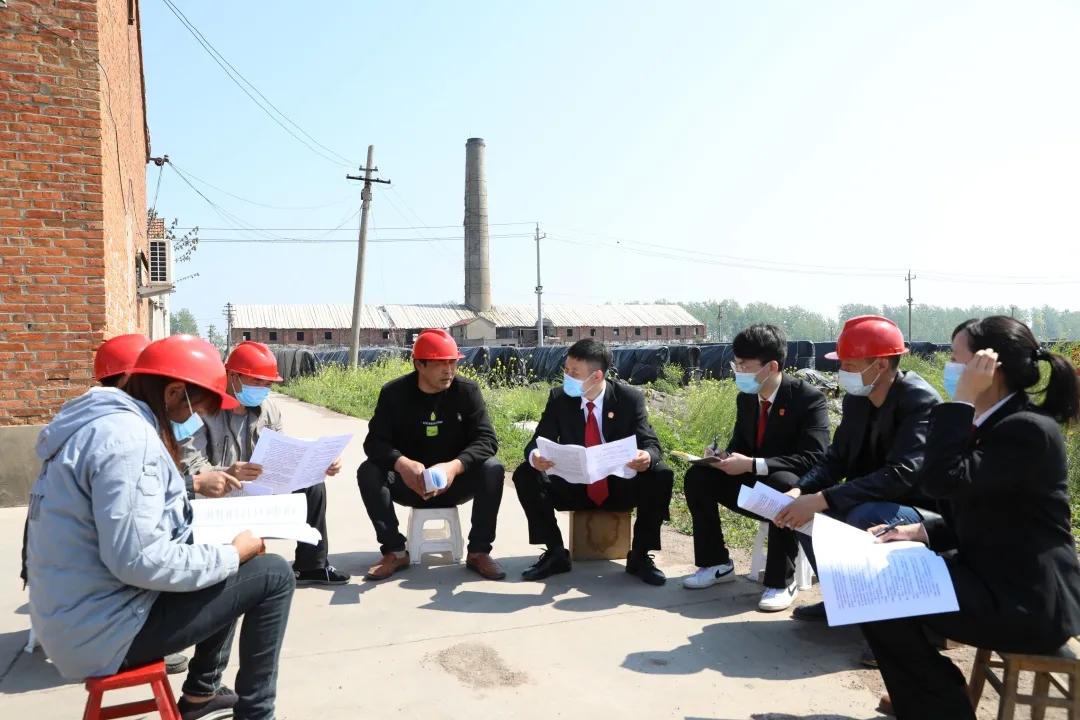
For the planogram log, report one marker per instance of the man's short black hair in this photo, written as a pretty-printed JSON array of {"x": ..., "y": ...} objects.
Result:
[
  {"x": 593, "y": 352},
  {"x": 761, "y": 342},
  {"x": 112, "y": 380}
]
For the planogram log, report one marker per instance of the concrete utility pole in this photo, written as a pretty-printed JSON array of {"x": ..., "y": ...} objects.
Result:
[
  {"x": 539, "y": 292},
  {"x": 358, "y": 290},
  {"x": 909, "y": 278},
  {"x": 230, "y": 316}
]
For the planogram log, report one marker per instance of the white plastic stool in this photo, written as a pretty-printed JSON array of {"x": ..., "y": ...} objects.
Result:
[
  {"x": 445, "y": 539},
  {"x": 804, "y": 572},
  {"x": 31, "y": 643}
]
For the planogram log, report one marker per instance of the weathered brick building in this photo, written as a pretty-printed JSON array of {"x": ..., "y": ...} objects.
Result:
[
  {"x": 73, "y": 238},
  {"x": 397, "y": 325}
]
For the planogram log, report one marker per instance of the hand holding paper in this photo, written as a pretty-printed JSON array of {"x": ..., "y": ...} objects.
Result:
[
  {"x": 290, "y": 464},
  {"x": 762, "y": 500},
  {"x": 863, "y": 580},
  {"x": 583, "y": 466}
]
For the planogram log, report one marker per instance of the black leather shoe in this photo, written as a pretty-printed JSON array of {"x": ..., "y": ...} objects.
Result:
[
  {"x": 814, "y": 612},
  {"x": 552, "y": 562},
  {"x": 642, "y": 565}
]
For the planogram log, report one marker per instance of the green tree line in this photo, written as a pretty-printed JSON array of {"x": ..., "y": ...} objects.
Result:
[{"x": 929, "y": 323}]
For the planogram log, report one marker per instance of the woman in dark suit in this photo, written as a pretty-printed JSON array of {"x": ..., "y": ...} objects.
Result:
[{"x": 996, "y": 463}]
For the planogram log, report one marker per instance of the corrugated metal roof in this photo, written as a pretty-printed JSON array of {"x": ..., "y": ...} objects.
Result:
[{"x": 389, "y": 317}]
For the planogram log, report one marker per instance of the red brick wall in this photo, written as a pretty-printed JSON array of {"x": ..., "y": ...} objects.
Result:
[
  {"x": 124, "y": 156},
  {"x": 61, "y": 210}
]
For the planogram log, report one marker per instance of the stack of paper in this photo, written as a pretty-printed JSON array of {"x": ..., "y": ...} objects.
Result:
[
  {"x": 218, "y": 522},
  {"x": 290, "y": 464},
  {"x": 863, "y": 580},
  {"x": 765, "y": 502},
  {"x": 584, "y": 466}
]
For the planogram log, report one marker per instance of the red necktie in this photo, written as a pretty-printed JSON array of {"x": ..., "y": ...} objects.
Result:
[
  {"x": 762, "y": 418},
  {"x": 597, "y": 491}
]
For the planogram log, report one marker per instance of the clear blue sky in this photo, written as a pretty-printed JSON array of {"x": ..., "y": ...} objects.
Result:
[{"x": 866, "y": 137}]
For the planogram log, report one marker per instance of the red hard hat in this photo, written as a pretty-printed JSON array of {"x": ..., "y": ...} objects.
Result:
[
  {"x": 868, "y": 336},
  {"x": 117, "y": 355},
  {"x": 187, "y": 358},
  {"x": 435, "y": 345},
  {"x": 254, "y": 360}
]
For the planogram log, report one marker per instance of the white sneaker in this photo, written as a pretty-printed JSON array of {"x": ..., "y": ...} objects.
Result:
[
  {"x": 708, "y": 576},
  {"x": 777, "y": 599}
]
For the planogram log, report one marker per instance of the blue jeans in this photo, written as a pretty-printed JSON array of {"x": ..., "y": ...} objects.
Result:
[
  {"x": 260, "y": 592},
  {"x": 865, "y": 516}
]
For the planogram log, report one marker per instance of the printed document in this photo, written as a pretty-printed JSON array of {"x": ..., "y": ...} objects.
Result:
[
  {"x": 863, "y": 580},
  {"x": 764, "y": 501},
  {"x": 584, "y": 466},
  {"x": 291, "y": 464},
  {"x": 218, "y": 521}
]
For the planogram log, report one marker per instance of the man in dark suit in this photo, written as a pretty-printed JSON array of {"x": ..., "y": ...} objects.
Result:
[
  {"x": 879, "y": 447},
  {"x": 781, "y": 431},
  {"x": 588, "y": 410}
]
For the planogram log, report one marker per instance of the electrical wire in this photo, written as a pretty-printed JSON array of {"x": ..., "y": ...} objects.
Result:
[{"x": 236, "y": 76}]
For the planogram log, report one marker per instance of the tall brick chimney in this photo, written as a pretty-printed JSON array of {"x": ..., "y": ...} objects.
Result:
[{"x": 477, "y": 242}]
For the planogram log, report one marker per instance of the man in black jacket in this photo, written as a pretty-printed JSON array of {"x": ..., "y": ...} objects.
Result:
[
  {"x": 590, "y": 410},
  {"x": 781, "y": 431},
  {"x": 431, "y": 420},
  {"x": 879, "y": 447}
]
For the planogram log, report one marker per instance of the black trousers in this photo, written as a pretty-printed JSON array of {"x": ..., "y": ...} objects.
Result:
[
  {"x": 541, "y": 495},
  {"x": 706, "y": 489},
  {"x": 313, "y": 557},
  {"x": 923, "y": 683},
  {"x": 261, "y": 592},
  {"x": 482, "y": 483}
]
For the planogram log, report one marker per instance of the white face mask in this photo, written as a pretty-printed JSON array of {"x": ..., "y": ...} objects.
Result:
[{"x": 852, "y": 382}]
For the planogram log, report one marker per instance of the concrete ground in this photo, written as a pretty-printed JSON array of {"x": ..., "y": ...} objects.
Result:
[{"x": 439, "y": 642}]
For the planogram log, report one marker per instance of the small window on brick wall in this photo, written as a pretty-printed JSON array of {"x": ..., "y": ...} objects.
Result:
[
  {"x": 569, "y": 332},
  {"x": 273, "y": 336},
  {"x": 247, "y": 336},
  {"x": 615, "y": 331},
  {"x": 592, "y": 332},
  {"x": 300, "y": 336},
  {"x": 328, "y": 335},
  {"x": 637, "y": 331},
  {"x": 386, "y": 335},
  {"x": 659, "y": 331},
  {"x": 678, "y": 331}
]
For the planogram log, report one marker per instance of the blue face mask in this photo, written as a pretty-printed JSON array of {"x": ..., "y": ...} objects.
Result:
[
  {"x": 252, "y": 395},
  {"x": 182, "y": 431},
  {"x": 951, "y": 377},
  {"x": 572, "y": 386},
  {"x": 747, "y": 382}
]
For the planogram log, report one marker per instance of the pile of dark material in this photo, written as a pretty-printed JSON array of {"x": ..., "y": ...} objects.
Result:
[{"x": 636, "y": 364}]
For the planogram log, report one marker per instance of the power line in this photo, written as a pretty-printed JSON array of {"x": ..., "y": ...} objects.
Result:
[
  {"x": 260, "y": 204},
  {"x": 332, "y": 241},
  {"x": 400, "y": 227},
  {"x": 233, "y": 74},
  {"x": 703, "y": 257}
]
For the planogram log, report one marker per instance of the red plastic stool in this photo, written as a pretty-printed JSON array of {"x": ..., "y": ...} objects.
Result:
[{"x": 152, "y": 674}]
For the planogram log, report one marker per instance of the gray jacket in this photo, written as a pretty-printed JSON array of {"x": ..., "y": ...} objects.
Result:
[
  {"x": 226, "y": 438},
  {"x": 108, "y": 531}
]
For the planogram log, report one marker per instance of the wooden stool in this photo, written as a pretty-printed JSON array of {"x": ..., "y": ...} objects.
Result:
[
  {"x": 1012, "y": 664},
  {"x": 152, "y": 674},
  {"x": 599, "y": 535}
]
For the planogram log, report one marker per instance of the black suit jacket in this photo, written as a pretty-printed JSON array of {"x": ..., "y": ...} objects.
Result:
[
  {"x": 899, "y": 430},
  {"x": 1003, "y": 491},
  {"x": 624, "y": 415},
  {"x": 796, "y": 431}
]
